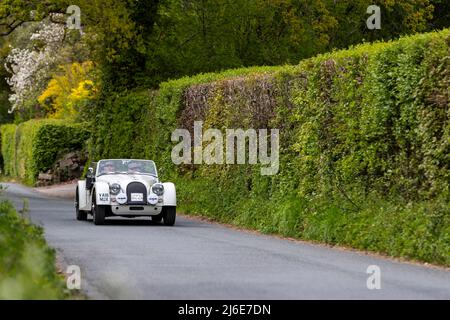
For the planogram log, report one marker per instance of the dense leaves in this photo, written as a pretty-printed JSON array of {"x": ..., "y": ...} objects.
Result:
[
  {"x": 141, "y": 43},
  {"x": 193, "y": 36},
  {"x": 364, "y": 157}
]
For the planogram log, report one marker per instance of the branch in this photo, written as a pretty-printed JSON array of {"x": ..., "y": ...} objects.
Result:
[
  {"x": 13, "y": 26},
  {"x": 17, "y": 23}
]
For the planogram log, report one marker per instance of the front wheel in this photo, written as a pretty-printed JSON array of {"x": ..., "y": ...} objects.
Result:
[
  {"x": 98, "y": 212},
  {"x": 169, "y": 215}
]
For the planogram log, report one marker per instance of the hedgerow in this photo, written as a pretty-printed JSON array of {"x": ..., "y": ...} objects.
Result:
[
  {"x": 364, "y": 145},
  {"x": 33, "y": 146},
  {"x": 8, "y": 138},
  {"x": 27, "y": 264}
]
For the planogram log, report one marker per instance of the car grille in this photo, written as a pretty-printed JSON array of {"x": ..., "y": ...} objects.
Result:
[{"x": 136, "y": 187}]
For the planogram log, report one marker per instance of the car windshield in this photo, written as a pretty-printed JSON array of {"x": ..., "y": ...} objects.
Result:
[{"x": 146, "y": 167}]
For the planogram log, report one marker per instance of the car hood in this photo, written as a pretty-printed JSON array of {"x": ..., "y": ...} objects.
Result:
[{"x": 125, "y": 179}]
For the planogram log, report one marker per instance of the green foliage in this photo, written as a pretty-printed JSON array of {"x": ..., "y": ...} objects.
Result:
[
  {"x": 196, "y": 36},
  {"x": 364, "y": 155},
  {"x": 33, "y": 146},
  {"x": 4, "y": 88},
  {"x": 27, "y": 264},
  {"x": 118, "y": 33},
  {"x": 141, "y": 122},
  {"x": 140, "y": 43},
  {"x": 8, "y": 138}
]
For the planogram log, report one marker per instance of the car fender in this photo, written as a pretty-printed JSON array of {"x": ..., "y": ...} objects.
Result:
[
  {"x": 84, "y": 199},
  {"x": 170, "y": 194},
  {"x": 102, "y": 193}
]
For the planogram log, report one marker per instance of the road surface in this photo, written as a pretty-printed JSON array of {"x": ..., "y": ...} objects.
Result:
[{"x": 137, "y": 259}]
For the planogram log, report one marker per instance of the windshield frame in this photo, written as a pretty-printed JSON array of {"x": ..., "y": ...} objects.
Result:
[{"x": 98, "y": 174}]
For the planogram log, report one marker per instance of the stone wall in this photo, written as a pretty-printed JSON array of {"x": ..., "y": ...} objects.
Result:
[{"x": 67, "y": 168}]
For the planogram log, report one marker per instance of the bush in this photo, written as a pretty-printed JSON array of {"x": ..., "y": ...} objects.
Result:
[
  {"x": 33, "y": 146},
  {"x": 364, "y": 146},
  {"x": 27, "y": 264}
]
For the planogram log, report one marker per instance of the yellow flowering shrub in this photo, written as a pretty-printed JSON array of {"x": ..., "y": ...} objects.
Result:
[{"x": 68, "y": 91}]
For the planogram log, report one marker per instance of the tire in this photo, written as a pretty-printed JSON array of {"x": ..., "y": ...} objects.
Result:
[
  {"x": 157, "y": 218},
  {"x": 98, "y": 212},
  {"x": 81, "y": 215},
  {"x": 169, "y": 215}
]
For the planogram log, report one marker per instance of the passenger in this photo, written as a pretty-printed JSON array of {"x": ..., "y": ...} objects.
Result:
[
  {"x": 107, "y": 167},
  {"x": 134, "y": 167}
]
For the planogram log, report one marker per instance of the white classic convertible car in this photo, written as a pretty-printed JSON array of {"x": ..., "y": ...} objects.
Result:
[{"x": 127, "y": 188}]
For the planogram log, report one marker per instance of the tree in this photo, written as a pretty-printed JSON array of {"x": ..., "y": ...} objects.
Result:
[
  {"x": 4, "y": 87},
  {"x": 117, "y": 28},
  {"x": 441, "y": 14},
  {"x": 398, "y": 17},
  {"x": 30, "y": 68},
  {"x": 193, "y": 36},
  {"x": 143, "y": 42}
]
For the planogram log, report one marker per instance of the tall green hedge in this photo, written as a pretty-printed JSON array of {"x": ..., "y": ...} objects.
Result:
[
  {"x": 8, "y": 138},
  {"x": 33, "y": 146},
  {"x": 365, "y": 145}
]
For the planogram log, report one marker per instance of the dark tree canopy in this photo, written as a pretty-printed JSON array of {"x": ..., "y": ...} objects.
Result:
[{"x": 144, "y": 42}]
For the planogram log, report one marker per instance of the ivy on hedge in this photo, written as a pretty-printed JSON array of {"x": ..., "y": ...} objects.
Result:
[{"x": 33, "y": 146}]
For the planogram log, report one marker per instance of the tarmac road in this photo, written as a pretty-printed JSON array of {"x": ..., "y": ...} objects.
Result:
[{"x": 137, "y": 259}]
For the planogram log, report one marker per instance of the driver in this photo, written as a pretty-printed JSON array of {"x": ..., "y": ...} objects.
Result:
[
  {"x": 134, "y": 167},
  {"x": 108, "y": 167}
]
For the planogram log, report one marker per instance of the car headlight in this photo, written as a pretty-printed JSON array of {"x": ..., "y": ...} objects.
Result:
[
  {"x": 158, "y": 189},
  {"x": 114, "y": 188}
]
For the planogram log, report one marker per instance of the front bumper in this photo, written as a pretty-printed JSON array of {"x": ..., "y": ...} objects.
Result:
[{"x": 135, "y": 210}]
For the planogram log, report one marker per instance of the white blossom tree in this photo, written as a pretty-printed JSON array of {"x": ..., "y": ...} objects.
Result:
[{"x": 31, "y": 67}]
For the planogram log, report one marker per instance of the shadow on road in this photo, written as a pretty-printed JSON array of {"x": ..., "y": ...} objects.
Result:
[
  {"x": 129, "y": 222},
  {"x": 136, "y": 222}
]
